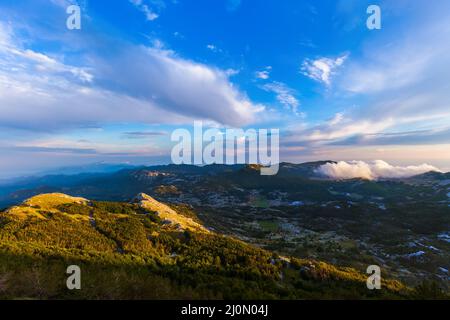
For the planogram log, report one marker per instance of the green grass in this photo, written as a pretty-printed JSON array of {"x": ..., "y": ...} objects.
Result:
[{"x": 126, "y": 255}]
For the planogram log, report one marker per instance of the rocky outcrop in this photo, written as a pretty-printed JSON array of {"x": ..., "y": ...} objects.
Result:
[{"x": 167, "y": 214}]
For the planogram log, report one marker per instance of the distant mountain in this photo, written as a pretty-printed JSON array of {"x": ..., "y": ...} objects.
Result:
[
  {"x": 124, "y": 183},
  {"x": 16, "y": 189},
  {"x": 402, "y": 225},
  {"x": 98, "y": 167},
  {"x": 432, "y": 176}
]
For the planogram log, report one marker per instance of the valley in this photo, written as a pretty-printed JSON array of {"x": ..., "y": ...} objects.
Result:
[{"x": 402, "y": 225}]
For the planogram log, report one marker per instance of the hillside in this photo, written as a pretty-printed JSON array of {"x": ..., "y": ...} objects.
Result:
[
  {"x": 167, "y": 214},
  {"x": 130, "y": 251},
  {"x": 400, "y": 224}
]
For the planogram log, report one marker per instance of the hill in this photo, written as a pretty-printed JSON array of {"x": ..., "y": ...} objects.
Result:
[
  {"x": 400, "y": 224},
  {"x": 128, "y": 251},
  {"x": 167, "y": 214}
]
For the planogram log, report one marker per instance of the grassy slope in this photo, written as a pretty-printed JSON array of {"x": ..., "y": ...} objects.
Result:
[{"x": 126, "y": 252}]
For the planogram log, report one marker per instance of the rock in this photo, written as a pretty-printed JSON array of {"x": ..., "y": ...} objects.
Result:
[{"x": 167, "y": 214}]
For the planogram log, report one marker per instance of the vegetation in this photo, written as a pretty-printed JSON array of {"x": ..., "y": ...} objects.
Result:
[{"x": 126, "y": 253}]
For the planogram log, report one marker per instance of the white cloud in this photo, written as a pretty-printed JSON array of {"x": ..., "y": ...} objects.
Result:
[
  {"x": 322, "y": 69},
  {"x": 338, "y": 118},
  {"x": 284, "y": 95},
  {"x": 404, "y": 85},
  {"x": 5, "y": 35},
  {"x": 149, "y": 13},
  {"x": 264, "y": 74},
  {"x": 18, "y": 58},
  {"x": 157, "y": 44},
  {"x": 213, "y": 48},
  {"x": 232, "y": 72},
  {"x": 401, "y": 61},
  {"x": 390, "y": 69},
  {"x": 397, "y": 83},
  {"x": 62, "y": 3},
  {"x": 46, "y": 103},
  {"x": 371, "y": 171},
  {"x": 139, "y": 84},
  {"x": 182, "y": 86},
  {"x": 339, "y": 127},
  {"x": 406, "y": 77}
]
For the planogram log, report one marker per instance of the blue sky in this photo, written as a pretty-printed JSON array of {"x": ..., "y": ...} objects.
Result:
[{"x": 138, "y": 69}]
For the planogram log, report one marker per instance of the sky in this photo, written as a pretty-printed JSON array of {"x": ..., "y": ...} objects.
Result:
[{"x": 137, "y": 70}]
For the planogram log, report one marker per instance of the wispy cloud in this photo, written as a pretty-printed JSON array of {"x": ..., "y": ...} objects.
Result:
[
  {"x": 186, "y": 87},
  {"x": 322, "y": 69},
  {"x": 340, "y": 127},
  {"x": 232, "y": 72},
  {"x": 150, "y": 14},
  {"x": 264, "y": 74},
  {"x": 213, "y": 48},
  {"x": 19, "y": 58},
  {"x": 34, "y": 149},
  {"x": 137, "y": 84},
  {"x": 144, "y": 134},
  {"x": 399, "y": 92},
  {"x": 284, "y": 95}
]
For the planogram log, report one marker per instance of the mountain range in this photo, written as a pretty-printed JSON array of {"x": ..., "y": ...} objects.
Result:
[{"x": 226, "y": 232}]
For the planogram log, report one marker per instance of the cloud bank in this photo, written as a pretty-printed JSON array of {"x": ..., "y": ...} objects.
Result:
[
  {"x": 377, "y": 169},
  {"x": 182, "y": 86}
]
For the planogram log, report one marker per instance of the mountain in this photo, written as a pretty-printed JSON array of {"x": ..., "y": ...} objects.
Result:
[
  {"x": 130, "y": 251},
  {"x": 59, "y": 177},
  {"x": 102, "y": 183},
  {"x": 402, "y": 225},
  {"x": 13, "y": 191}
]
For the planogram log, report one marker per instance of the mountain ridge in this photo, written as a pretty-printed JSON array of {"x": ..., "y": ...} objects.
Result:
[
  {"x": 114, "y": 239},
  {"x": 15, "y": 192}
]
